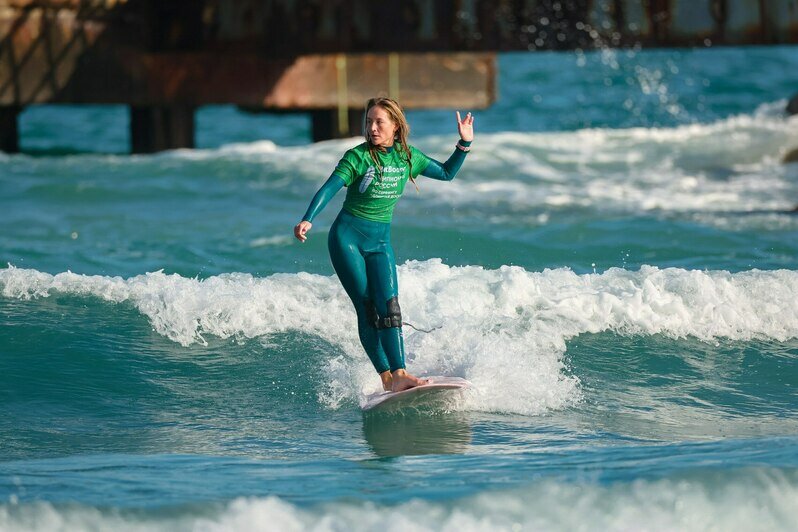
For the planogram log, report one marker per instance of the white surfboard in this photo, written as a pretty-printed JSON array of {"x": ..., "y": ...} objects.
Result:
[{"x": 436, "y": 389}]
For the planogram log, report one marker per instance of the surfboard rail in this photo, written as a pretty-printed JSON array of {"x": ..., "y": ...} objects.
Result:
[{"x": 436, "y": 387}]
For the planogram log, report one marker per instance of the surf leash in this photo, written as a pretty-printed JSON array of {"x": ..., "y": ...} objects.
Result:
[{"x": 421, "y": 330}]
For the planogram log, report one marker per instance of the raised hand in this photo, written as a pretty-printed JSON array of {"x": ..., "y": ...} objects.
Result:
[{"x": 466, "y": 127}]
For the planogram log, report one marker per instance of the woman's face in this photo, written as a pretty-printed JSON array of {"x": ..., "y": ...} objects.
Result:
[{"x": 380, "y": 128}]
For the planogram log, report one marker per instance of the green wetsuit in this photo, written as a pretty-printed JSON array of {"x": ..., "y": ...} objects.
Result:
[{"x": 360, "y": 239}]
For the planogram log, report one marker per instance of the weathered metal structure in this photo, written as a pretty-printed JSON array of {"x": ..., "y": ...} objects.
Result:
[{"x": 164, "y": 58}]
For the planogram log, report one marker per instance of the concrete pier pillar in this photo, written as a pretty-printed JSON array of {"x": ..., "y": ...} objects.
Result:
[
  {"x": 328, "y": 124},
  {"x": 9, "y": 129},
  {"x": 158, "y": 128}
]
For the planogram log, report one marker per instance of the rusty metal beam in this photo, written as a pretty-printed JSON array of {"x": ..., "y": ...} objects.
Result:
[
  {"x": 421, "y": 80},
  {"x": 90, "y": 52},
  {"x": 307, "y": 82}
]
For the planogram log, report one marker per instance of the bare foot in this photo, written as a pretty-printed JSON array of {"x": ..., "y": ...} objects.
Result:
[
  {"x": 387, "y": 380},
  {"x": 402, "y": 380}
]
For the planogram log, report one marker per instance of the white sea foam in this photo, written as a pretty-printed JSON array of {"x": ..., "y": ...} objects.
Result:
[
  {"x": 293, "y": 158},
  {"x": 729, "y": 165},
  {"x": 268, "y": 241},
  {"x": 507, "y": 326},
  {"x": 763, "y": 501}
]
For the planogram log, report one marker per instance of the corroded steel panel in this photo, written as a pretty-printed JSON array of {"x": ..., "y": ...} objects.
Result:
[
  {"x": 307, "y": 82},
  {"x": 40, "y": 51},
  {"x": 422, "y": 80},
  {"x": 325, "y": 81},
  {"x": 79, "y": 56}
]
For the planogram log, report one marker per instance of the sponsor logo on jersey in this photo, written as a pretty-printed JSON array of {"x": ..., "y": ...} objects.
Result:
[
  {"x": 394, "y": 169},
  {"x": 368, "y": 177}
]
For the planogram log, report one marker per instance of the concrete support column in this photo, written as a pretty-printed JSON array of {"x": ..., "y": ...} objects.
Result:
[
  {"x": 158, "y": 128},
  {"x": 9, "y": 129},
  {"x": 327, "y": 124}
]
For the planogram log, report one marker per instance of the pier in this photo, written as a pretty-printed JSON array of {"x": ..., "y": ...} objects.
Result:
[{"x": 163, "y": 59}]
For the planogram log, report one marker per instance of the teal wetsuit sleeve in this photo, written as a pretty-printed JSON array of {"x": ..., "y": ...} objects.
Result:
[
  {"x": 446, "y": 171},
  {"x": 329, "y": 189}
]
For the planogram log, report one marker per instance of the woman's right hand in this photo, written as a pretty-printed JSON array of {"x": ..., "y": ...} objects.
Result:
[{"x": 301, "y": 229}]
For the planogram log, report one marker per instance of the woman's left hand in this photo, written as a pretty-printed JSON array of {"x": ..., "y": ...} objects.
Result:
[{"x": 466, "y": 127}]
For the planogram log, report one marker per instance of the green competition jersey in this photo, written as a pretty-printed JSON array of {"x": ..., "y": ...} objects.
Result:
[{"x": 372, "y": 194}]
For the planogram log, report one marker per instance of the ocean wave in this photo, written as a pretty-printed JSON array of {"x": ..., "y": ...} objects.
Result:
[
  {"x": 762, "y": 500},
  {"x": 507, "y": 326},
  {"x": 730, "y": 165}
]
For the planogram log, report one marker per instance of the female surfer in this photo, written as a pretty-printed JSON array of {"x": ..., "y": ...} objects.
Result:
[{"x": 375, "y": 173}]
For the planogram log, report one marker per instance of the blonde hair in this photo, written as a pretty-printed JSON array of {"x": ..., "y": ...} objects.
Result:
[{"x": 397, "y": 115}]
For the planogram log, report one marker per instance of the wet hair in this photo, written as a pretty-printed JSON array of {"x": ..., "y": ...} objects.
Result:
[{"x": 397, "y": 115}]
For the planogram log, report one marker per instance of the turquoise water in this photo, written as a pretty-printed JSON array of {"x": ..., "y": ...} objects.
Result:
[{"x": 615, "y": 269}]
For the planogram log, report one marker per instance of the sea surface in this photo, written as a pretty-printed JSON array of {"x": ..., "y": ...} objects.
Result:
[{"x": 615, "y": 269}]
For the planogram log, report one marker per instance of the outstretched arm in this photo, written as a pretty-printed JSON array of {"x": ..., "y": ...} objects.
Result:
[
  {"x": 329, "y": 189},
  {"x": 446, "y": 171}
]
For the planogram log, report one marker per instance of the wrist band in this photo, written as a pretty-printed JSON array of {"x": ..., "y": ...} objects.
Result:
[{"x": 462, "y": 148}]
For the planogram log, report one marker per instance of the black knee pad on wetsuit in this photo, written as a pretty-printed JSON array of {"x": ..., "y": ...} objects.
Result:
[
  {"x": 371, "y": 314},
  {"x": 393, "y": 319}
]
